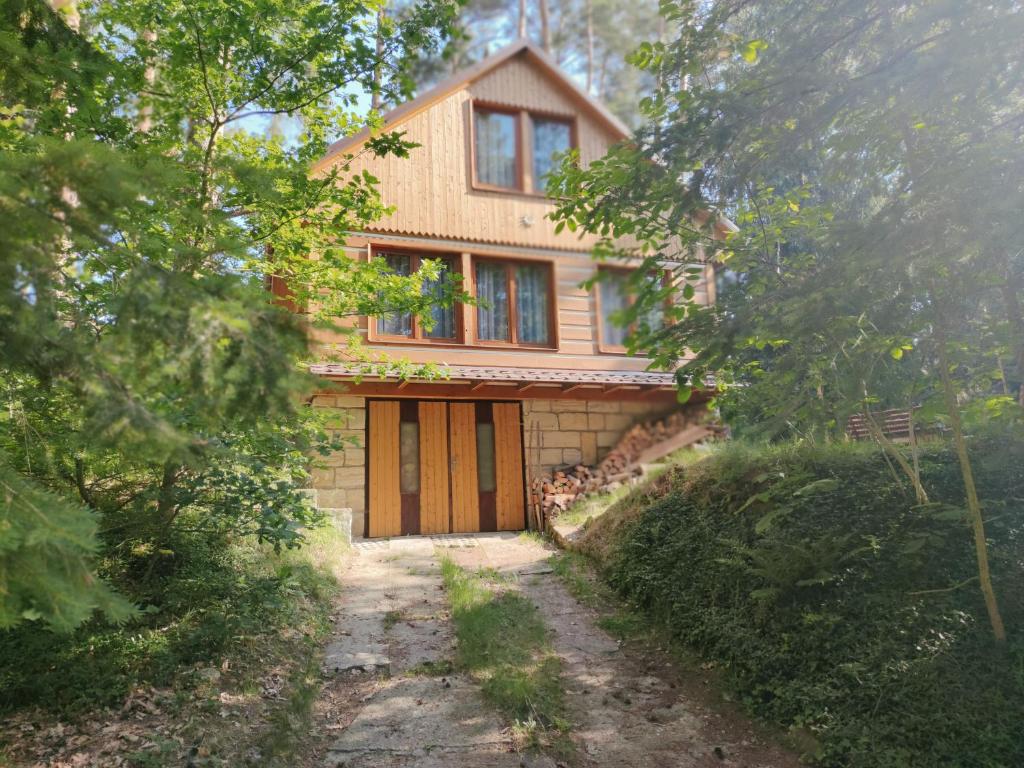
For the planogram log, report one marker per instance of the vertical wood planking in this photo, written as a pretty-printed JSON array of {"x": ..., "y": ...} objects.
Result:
[
  {"x": 385, "y": 497},
  {"x": 432, "y": 190},
  {"x": 465, "y": 488},
  {"x": 508, "y": 457},
  {"x": 434, "y": 498}
]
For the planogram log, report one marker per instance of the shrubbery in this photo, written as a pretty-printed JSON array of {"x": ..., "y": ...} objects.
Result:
[
  {"x": 835, "y": 605},
  {"x": 213, "y": 598}
]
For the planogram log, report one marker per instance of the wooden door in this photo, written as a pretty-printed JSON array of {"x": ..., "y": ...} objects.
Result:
[
  {"x": 384, "y": 492},
  {"x": 510, "y": 498},
  {"x": 435, "y": 503},
  {"x": 464, "y": 471},
  {"x": 438, "y": 467}
]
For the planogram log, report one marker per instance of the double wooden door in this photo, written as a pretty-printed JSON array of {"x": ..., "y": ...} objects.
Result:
[{"x": 444, "y": 467}]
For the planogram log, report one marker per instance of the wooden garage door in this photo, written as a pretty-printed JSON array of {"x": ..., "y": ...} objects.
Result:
[{"x": 440, "y": 467}]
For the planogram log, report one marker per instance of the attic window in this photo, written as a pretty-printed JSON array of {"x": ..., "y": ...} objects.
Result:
[
  {"x": 496, "y": 139},
  {"x": 551, "y": 138},
  {"x": 517, "y": 149}
]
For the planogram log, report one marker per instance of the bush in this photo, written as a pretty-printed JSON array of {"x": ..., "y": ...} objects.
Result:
[
  {"x": 211, "y": 597},
  {"x": 834, "y": 604}
]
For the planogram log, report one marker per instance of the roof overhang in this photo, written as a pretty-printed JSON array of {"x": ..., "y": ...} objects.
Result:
[{"x": 503, "y": 383}]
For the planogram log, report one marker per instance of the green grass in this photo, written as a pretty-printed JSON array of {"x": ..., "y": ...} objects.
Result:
[
  {"x": 617, "y": 619},
  {"x": 504, "y": 644}
]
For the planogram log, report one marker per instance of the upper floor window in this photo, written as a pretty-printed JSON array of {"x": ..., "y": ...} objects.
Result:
[
  {"x": 496, "y": 148},
  {"x": 551, "y": 138},
  {"x": 517, "y": 149},
  {"x": 404, "y": 325},
  {"x": 516, "y": 304},
  {"x": 615, "y": 294}
]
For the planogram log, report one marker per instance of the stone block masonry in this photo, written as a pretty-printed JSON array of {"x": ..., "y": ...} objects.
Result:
[
  {"x": 565, "y": 432},
  {"x": 340, "y": 484}
]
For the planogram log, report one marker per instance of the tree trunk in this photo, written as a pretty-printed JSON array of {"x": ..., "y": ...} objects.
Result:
[
  {"x": 590, "y": 46},
  {"x": 967, "y": 472},
  {"x": 378, "y": 68},
  {"x": 545, "y": 26},
  {"x": 522, "y": 19},
  {"x": 146, "y": 113},
  {"x": 1015, "y": 316}
]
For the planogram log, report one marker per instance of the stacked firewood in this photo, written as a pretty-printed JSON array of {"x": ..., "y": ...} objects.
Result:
[{"x": 643, "y": 443}]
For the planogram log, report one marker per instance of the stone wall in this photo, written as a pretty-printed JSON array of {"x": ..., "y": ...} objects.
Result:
[
  {"x": 563, "y": 432},
  {"x": 341, "y": 482}
]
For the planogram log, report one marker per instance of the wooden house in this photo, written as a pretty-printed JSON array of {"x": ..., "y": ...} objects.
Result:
[{"x": 538, "y": 378}]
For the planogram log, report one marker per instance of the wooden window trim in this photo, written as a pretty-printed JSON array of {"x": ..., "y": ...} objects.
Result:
[
  {"x": 614, "y": 349},
  {"x": 553, "y": 117},
  {"x": 479, "y": 106},
  {"x": 416, "y": 337},
  {"x": 513, "y": 317},
  {"x": 525, "y": 183}
]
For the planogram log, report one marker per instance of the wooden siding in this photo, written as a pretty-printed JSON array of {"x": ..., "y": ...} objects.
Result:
[
  {"x": 508, "y": 461},
  {"x": 385, "y": 495},
  {"x": 519, "y": 83},
  {"x": 432, "y": 190},
  {"x": 437, "y": 209},
  {"x": 465, "y": 485}
]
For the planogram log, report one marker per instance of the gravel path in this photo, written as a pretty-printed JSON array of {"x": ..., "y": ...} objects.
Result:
[
  {"x": 392, "y": 626},
  {"x": 630, "y": 707}
]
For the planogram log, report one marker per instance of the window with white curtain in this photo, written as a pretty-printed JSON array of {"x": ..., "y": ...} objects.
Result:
[
  {"x": 509, "y": 142},
  {"x": 615, "y": 296},
  {"x": 402, "y": 325},
  {"x": 551, "y": 139},
  {"x": 532, "y": 310},
  {"x": 515, "y": 302},
  {"x": 614, "y": 299},
  {"x": 492, "y": 294},
  {"x": 496, "y": 148}
]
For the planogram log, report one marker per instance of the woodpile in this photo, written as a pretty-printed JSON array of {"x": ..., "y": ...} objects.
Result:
[{"x": 642, "y": 444}]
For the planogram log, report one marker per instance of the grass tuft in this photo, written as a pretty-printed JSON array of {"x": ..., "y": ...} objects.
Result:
[{"x": 504, "y": 644}]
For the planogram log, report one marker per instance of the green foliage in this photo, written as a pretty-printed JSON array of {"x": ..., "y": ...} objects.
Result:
[
  {"x": 223, "y": 599},
  {"x": 154, "y": 173},
  {"x": 837, "y": 607},
  {"x": 868, "y": 153},
  {"x": 44, "y": 559}
]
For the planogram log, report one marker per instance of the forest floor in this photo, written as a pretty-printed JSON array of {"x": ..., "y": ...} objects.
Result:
[{"x": 391, "y": 689}]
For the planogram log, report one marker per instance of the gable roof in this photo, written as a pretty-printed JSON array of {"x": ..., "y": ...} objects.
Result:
[{"x": 523, "y": 47}]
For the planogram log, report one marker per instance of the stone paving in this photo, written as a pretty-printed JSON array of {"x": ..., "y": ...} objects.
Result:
[
  {"x": 393, "y": 620},
  {"x": 626, "y": 708}
]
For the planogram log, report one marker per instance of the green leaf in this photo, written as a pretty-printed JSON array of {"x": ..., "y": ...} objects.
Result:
[
  {"x": 824, "y": 485},
  {"x": 750, "y": 51},
  {"x": 766, "y": 522}
]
